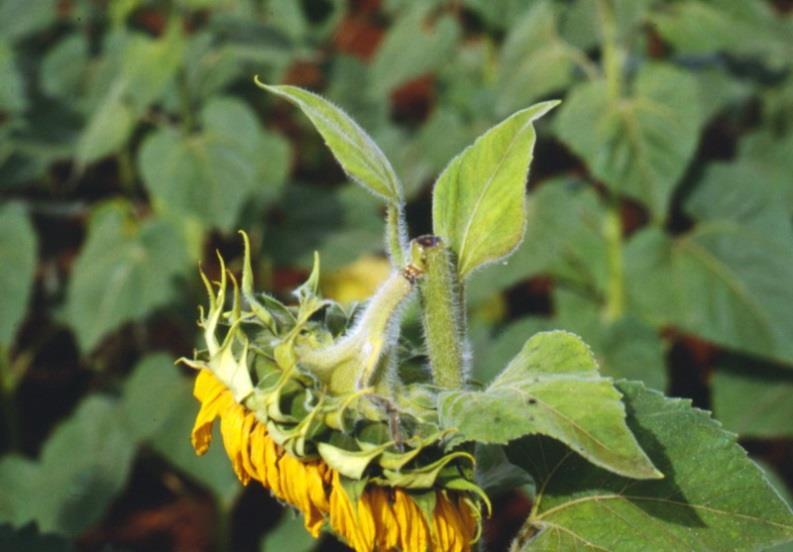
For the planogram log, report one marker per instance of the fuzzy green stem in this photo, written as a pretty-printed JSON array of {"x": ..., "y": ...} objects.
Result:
[
  {"x": 615, "y": 291},
  {"x": 353, "y": 361},
  {"x": 612, "y": 56},
  {"x": 396, "y": 234},
  {"x": 443, "y": 329}
]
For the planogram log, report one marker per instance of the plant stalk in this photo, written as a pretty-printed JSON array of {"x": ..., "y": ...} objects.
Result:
[
  {"x": 396, "y": 234},
  {"x": 443, "y": 326},
  {"x": 612, "y": 56},
  {"x": 615, "y": 291}
]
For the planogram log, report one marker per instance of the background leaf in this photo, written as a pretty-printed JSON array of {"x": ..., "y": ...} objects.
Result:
[
  {"x": 113, "y": 282},
  {"x": 210, "y": 175},
  {"x": 639, "y": 145},
  {"x": 18, "y": 254},
  {"x": 82, "y": 467}
]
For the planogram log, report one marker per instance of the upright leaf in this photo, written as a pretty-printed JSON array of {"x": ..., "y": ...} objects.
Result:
[
  {"x": 18, "y": 254},
  {"x": 552, "y": 387},
  {"x": 355, "y": 151},
  {"x": 639, "y": 145},
  {"x": 712, "y": 496},
  {"x": 124, "y": 271},
  {"x": 479, "y": 201}
]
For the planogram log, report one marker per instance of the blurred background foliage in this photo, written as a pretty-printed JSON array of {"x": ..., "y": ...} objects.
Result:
[{"x": 133, "y": 144}]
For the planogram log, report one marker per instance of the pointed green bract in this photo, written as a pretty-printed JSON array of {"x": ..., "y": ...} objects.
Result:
[
  {"x": 552, "y": 387},
  {"x": 479, "y": 204},
  {"x": 712, "y": 498},
  {"x": 356, "y": 152}
]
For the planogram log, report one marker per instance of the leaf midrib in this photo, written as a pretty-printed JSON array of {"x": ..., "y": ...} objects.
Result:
[{"x": 484, "y": 190}]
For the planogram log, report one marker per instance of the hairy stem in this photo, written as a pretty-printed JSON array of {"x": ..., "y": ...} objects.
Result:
[
  {"x": 396, "y": 234},
  {"x": 443, "y": 327}
]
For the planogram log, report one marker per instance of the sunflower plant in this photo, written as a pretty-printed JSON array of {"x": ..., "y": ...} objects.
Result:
[{"x": 317, "y": 404}]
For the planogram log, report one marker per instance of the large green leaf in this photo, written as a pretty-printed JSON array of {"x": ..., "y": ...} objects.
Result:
[
  {"x": 641, "y": 144},
  {"x": 145, "y": 68},
  {"x": 479, "y": 201},
  {"x": 711, "y": 498},
  {"x": 83, "y": 466},
  {"x": 534, "y": 60},
  {"x": 740, "y": 28},
  {"x": 413, "y": 46},
  {"x": 125, "y": 270},
  {"x": 210, "y": 175},
  {"x": 765, "y": 160},
  {"x": 552, "y": 387},
  {"x": 148, "y": 394},
  {"x": 18, "y": 254},
  {"x": 753, "y": 398},
  {"x": 355, "y": 151},
  {"x": 728, "y": 279}
]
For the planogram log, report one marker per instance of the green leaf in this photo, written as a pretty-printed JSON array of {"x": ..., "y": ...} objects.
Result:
[
  {"x": 83, "y": 466},
  {"x": 12, "y": 87},
  {"x": 63, "y": 67},
  {"x": 172, "y": 441},
  {"x": 639, "y": 145},
  {"x": 124, "y": 271},
  {"x": 552, "y": 387},
  {"x": 412, "y": 47},
  {"x": 740, "y": 28},
  {"x": 355, "y": 151},
  {"x": 18, "y": 254},
  {"x": 712, "y": 497},
  {"x": 19, "y": 18},
  {"x": 753, "y": 398},
  {"x": 148, "y": 395},
  {"x": 727, "y": 280},
  {"x": 209, "y": 176},
  {"x": 146, "y": 68},
  {"x": 534, "y": 60},
  {"x": 765, "y": 159},
  {"x": 290, "y": 535},
  {"x": 479, "y": 201},
  {"x": 627, "y": 348}
]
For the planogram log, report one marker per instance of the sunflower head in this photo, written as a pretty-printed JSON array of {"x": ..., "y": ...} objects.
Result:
[{"x": 309, "y": 408}]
